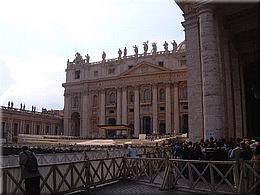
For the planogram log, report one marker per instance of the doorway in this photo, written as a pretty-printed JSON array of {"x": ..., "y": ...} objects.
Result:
[{"x": 147, "y": 125}]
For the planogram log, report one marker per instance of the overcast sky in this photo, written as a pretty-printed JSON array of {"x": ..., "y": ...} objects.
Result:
[{"x": 38, "y": 36}]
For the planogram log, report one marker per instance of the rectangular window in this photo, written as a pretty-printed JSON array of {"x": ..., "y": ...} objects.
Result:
[
  {"x": 131, "y": 110},
  {"x": 27, "y": 129},
  {"x": 3, "y": 129},
  {"x": 162, "y": 108},
  {"x": 160, "y": 63},
  {"x": 77, "y": 74},
  {"x": 129, "y": 67},
  {"x": 111, "y": 70},
  {"x": 183, "y": 62},
  {"x": 95, "y": 73},
  {"x": 38, "y": 129}
]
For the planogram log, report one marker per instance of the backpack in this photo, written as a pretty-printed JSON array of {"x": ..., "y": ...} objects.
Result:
[{"x": 31, "y": 163}]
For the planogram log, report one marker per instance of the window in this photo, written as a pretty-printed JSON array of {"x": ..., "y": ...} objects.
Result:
[
  {"x": 77, "y": 74},
  {"x": 27, "y": 129},
  {"x": 95, "y": 73},
  {"x": 112, "y": 98},
  {"x": 3, "y": 130},
  {"x": 47, "y": 130},
  {"x": 111, "y": 111},
  {"x": 129, "y": 67},
  {"x": 131, "y": 97},
  {"x": 162, "y": 95},
  {"x": 131, "y": 110},
  {"x": 183, "y": 62},
  {"x": 183, "y": 92},
  {"x": 185, "y": 107},
  {"x": 147, "y": 95},
  {"x": 94, "y": 101},
  {"x": 37, "y": 129},
  {"x": 162, "y": 108},
  {"x": 160, "y": 63},
  {"x": 75, "y": 102},
  {"x": 111, "y": 70}
]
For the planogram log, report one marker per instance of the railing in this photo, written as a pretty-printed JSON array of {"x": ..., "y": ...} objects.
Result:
[{"x": 193, "y": 175}]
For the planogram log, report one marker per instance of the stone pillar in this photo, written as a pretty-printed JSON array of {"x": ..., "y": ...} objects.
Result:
[
  {"x": 124, "y": 106},
  {"x": 66, "y": 116},
  {"x": 137, "y": 113},
  {"x": 118, "y": 107},
  {"x": 85, "y": 115},
  {"x": 103, "y": 108},
  {"x": 168, "y": 109},
  {"x": 155, "y": 112},
  {"x": 212, "y": 95},
  {"x": 194, "y": 78},
  {"x": 176, "y": 109}
]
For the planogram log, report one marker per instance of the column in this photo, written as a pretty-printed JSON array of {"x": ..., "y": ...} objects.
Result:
[
  {"x": 136, "y": 113},
  {"x": 102, "y": 108},
  {"x": 66, "y": 116},
  {"x": 168, "y": 109},
  {"x": 211, "y": 85},
  {"x": 118, "y": 107},
  {"x": 85, "y": 115},
  {"x": 176, "y": 109},
  {"x": 155, "y": 106},
  {"x": 124, "y": 106}
]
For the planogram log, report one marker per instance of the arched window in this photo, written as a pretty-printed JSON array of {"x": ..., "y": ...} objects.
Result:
[
  {"x": 94, "y": 101},
  {"x": 112, "y": 98},
  {"x": 147, "y": 95},
  {"x": 162, "y": 95}
]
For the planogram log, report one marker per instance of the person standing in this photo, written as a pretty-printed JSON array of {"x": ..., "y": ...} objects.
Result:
[{"x": 29, "y": 171}]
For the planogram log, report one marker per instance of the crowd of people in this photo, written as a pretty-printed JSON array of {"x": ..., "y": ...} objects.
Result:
[{"x": 216, "y": 149}]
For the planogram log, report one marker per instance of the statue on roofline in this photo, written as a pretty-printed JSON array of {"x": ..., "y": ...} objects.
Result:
[
  {"x": 154, "y": 50},
  {"x": 104, "y": 56},
  {"x": 78, "y": 58},
  {"x": 125, "y": 52},
  {"x": 119, "y": 53},
  {"x": 87, "y": 58},
  {"x": 165, "y": 45},
  {"x": 145, "y": 44},
  {"x": 135, "y": 50},
  {"x": 174, "y": 45}
]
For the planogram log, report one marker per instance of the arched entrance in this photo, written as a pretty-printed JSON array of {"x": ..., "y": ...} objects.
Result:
[
  {"x": 75, "y": 124},
  {"x": 147, "y": 125}
]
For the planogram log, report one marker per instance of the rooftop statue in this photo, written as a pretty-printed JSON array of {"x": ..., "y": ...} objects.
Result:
[
  {"x": 119, "y": 53},
  {"x": 145, "y": 47},
  {"x": 165, "y": 45},
  {"x": 154, "y": 50},
  {"x": 87, "y": 58},
  {"x": 125, "y": 52},
  {"x": 104, "y": 56},
  {"x": 78, "y": 57},
  {"x": 135, "y": 49},
  {"x": 174, "y": 45}
]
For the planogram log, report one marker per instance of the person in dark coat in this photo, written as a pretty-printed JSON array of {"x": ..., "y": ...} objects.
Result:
[{"x": 29, "y": 173}]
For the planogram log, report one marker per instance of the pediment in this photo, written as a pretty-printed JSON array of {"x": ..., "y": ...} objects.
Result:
[{"x": 144, "y": 68}]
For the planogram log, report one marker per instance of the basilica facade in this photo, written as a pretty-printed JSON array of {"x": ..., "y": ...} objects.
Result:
[{"x": 146, "y": 92}]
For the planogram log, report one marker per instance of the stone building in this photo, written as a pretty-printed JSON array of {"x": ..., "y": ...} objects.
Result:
[
  {"x": 222, "y": 52},
  {"x": 15, "y": 121},
  {"x": 146, "y": 92}
]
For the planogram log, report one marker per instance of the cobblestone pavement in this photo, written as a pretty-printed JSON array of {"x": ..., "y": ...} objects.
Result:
[{"x": 132, "y": 187}]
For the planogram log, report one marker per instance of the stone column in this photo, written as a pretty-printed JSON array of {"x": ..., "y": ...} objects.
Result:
[
  {"x": 66, "y": 115},
  {"x": 211, "y": 85},
  {"x": 124, "y": 106},
  {"x": 85, "y": 115},
  {"x": 176, "y": 109},
  {"x": 103, "y": 108},
  {"x": 155, "y": 112},
  {"x": 118, "y": 107},
  {"x": 168, "y": 109},
  {"x": 194, "y": 79},
  {"x": 137, "y": 113}
]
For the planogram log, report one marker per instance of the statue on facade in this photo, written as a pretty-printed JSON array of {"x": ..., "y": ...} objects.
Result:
[
  {"x": 9, "y": 104},
  {"x": 135, "y": 50},
  {"x": 68, "y": 62},
  {"x": 165, "y": 45},
  {"x": 21, "y": 106},
  {"x": 174, "y": 45},
  {"x": 119, "y": 53},
  {"x": 145, "y": 44},
  {"x": 78, "y": 58},
  {"x": 104, "y": 56},
  {"x": 154, "y": 50},
  {"x": 125, "y": 52},
  {"x": 12, "y": 104},
  {"x": 87, "y": 58},
  {"x": 24, "y": 107}
]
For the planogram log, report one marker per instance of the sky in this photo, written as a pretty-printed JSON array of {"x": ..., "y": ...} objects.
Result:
[{"x": 37, "y": 37}]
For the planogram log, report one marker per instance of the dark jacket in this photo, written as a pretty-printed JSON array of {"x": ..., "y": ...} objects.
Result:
[{"x": 25, "y": 174}]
